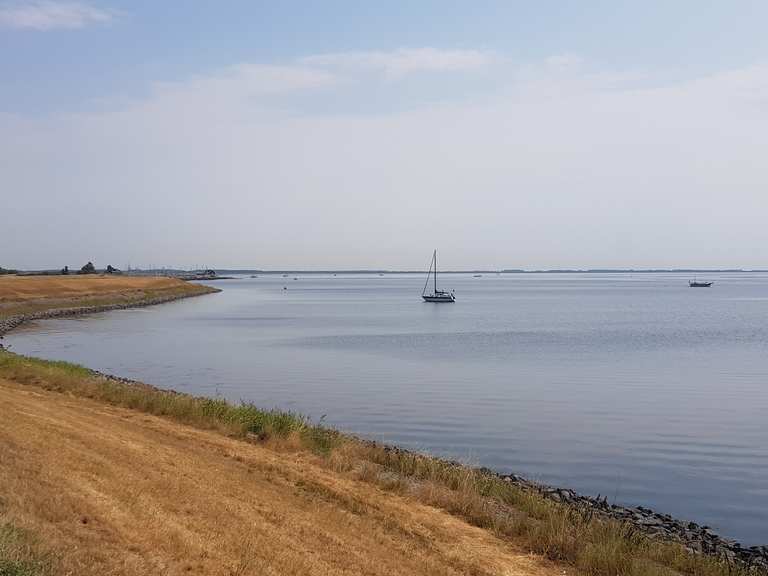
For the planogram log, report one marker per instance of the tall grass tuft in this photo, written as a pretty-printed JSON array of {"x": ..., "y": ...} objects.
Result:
[{"x": 17, "y": 556}]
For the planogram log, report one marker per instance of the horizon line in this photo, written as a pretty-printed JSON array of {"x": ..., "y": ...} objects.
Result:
[{"x": 231, "y": 270}]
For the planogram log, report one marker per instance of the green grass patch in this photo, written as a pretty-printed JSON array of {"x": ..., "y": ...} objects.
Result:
[
  {"x": 242, "y": 420},
  {"x": 17, "y": 554}
]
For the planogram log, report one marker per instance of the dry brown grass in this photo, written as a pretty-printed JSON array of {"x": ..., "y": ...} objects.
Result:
[
  {"x": 116, "y": 491},
  {"x": 24, "y": 288},
  {"x": 30, "y": 294}
]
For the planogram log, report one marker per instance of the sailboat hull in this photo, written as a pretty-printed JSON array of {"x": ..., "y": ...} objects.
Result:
[{"x": 438, "y": 298}]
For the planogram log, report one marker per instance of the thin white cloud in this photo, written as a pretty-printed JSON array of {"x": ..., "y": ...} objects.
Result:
[
  {"x": 566, "y": 61},
  {"x": 550, "y": 167},
  {"x": 251, "y": 80},
  {"x": 239, "y": 86},
  {"x": 398, "y": 63},
  {"x": 50, "y": 15}
]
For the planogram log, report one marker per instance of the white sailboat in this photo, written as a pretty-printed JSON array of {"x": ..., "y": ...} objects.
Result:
[{"x": 436, "y": 295}]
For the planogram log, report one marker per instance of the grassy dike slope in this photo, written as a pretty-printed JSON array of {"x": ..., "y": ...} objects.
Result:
[
  {"x": 30, "y": 295},
  {"x": 99, "y": 476},
  {"x": 108, "y": 490}
]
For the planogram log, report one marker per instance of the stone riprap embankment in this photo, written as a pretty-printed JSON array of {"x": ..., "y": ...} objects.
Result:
[
  {"x": 8, "y": 324},
  {"x": 694, "y": 537}
]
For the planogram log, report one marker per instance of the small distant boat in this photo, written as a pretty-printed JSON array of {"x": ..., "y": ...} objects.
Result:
[
  {"x": 477, "y": 276},
  {"x": 436, "y": 295},
  {"x": 696, "y": 284}
]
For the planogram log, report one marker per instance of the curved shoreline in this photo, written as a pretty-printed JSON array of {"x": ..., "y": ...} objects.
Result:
[
  {"x": 13, "y": 322},
  {"x": 696, "y": 538}
]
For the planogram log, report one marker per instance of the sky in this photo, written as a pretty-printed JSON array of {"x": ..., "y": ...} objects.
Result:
[{"x": 347, "y": 135}]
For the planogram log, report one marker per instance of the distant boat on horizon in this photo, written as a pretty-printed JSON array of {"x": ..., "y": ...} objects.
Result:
[
  {"x": 436, "y": 295},
  {"x": 696, "y": 284}
]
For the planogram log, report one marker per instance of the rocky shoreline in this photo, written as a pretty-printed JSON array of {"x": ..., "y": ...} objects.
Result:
[
  {"x": 12, "y": 322},
  {"x": 696, "y": 538}
]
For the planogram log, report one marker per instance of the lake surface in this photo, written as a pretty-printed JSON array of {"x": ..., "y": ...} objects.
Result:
[{"x": 632, "y": 386}]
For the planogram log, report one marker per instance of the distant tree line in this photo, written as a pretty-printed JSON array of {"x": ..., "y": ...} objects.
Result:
[{"x": 89, "y": 268}]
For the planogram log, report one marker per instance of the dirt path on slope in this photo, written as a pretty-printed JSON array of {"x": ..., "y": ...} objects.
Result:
[{"x": 112, "y": 491}]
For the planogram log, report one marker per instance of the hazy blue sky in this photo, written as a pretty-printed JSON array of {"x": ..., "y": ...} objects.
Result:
[{"x": 359, "y": 134}]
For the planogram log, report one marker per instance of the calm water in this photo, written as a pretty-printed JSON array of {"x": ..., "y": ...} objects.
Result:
[{"x": 632, "y": 386}]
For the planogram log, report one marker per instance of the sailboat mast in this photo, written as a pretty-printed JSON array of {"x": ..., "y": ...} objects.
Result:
[
  {"x": 435, "y": 258},
  {"x": 426, "y": 282}
]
